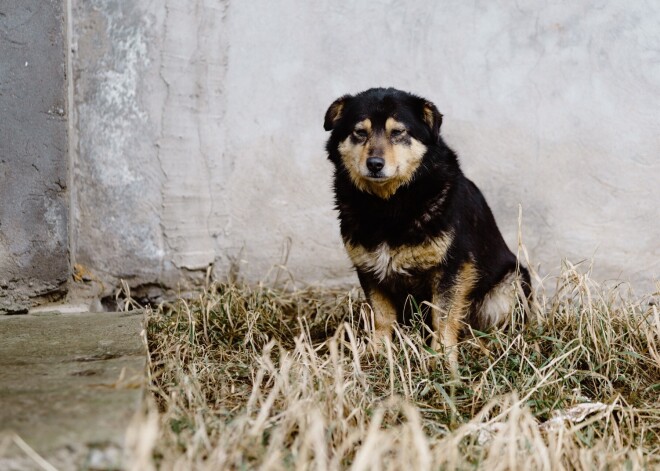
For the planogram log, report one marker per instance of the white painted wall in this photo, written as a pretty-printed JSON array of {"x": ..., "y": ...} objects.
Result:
[{"x": 551, "y": 105}]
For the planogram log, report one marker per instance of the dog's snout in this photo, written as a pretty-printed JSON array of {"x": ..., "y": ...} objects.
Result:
[{"x": 375, "y": 164}]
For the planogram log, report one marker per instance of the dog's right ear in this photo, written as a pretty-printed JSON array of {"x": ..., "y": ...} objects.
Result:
[
  {"x": 433, "y": 119},
  {"x": 334, "y": 113}
]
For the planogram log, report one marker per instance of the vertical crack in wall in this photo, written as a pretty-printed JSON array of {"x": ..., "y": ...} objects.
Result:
[
  {"x": 202, "y": 67},
  {"x": 159, "y": 152},
  {"x": 192, "y": 67},
  {"x": 72, "y": 133}
]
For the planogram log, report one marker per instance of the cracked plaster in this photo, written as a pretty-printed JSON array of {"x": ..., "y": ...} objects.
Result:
[{"x": 200, "y": 136}]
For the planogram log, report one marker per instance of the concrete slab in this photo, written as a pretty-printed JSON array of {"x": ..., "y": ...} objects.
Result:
[{"x": 69, "y": 386}]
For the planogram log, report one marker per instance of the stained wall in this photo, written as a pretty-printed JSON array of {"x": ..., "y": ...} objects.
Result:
[
  {"x": 34, "y": 209},
  {"x": 199, "y": 139}
]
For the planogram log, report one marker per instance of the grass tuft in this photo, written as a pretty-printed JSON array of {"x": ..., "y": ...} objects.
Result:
[{"x": 257, "y": 378}]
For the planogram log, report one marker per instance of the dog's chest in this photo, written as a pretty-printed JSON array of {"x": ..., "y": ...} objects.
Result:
[{"x": 385, "y": 262}]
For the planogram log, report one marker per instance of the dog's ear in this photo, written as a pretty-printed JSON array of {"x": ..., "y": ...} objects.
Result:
[
  {"x": 334, "y": 113},
  {"x": 433, "y": 118}
]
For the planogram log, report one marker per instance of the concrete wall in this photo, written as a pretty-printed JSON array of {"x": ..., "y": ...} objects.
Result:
[
  {"x": 200, "y": 142},
  {"x": 34, "y": 262}
]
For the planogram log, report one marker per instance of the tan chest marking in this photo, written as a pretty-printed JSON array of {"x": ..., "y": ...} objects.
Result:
[{"x": 385, "y": 261}]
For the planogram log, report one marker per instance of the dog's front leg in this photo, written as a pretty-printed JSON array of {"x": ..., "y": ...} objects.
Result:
[
  {"x": 446, "y": 321},
  {"x": 384, "y": 316},
  {"x": 449, "y": 310},
  {"x": 383, "y": 310}
]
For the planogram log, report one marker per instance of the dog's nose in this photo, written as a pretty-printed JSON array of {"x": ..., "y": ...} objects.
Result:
[{"x": 375, "y": 164}]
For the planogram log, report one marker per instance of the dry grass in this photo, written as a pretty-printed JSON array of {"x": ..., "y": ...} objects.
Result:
[{"x": 255, "y": 378}]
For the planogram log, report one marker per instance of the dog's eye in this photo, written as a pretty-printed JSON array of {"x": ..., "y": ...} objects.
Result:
[
  {"x": 360, "y": 133},
  {"x": 397, "y": 132}
]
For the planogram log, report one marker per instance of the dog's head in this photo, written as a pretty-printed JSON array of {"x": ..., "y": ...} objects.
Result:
[{"x": 380, "y": 137}]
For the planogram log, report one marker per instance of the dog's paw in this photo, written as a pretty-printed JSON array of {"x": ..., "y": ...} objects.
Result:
[
  {"x": 444, "y": 357},
  {"x": 378, "y": 343},
  {"x": 376, "y": 346}
]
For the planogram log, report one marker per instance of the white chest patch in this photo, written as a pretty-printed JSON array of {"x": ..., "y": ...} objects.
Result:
[{"x": 384, "y": 261}]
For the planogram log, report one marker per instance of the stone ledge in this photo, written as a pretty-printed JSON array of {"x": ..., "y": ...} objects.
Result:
[{"x": 69, "y": 386}]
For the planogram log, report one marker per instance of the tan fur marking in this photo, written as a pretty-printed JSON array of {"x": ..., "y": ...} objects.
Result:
[
  {"x": 449, "y": 311},
  {"x": 408, "y": 159},
  {"x": 334, "y": 113},
  {"x": 383, "y": 190},
  {"x": 385, "y": 261},
  {"x": 384, "y": 315},
  {"x": 429, "y": 117},
  {"x": 364, "y": 125},
  {"x": 401, "y": 159},
  {"x": 392, "y": 123},
  {"x": 353, "y": 156},
  {"x": 337, "y": 111}
]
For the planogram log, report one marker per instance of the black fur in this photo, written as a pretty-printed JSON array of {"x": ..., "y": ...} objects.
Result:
[{"x": 439, "y": 198}]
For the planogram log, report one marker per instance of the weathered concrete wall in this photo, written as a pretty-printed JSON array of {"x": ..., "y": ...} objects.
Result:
[
  {"x": 34, "y": 261},
  {"x": 116, "y": 176},
  {"x": 200, "y": 136}
]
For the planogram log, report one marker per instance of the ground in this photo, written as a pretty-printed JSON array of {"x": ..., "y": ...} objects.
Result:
[
  {"x": 268, "y": 377},
  {"x": 70, "y": 383},
  {"x": 263, "y": 378}
]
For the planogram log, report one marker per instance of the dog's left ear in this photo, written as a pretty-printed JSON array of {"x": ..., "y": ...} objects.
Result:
[
  {"x": 334, "y": 113},
  {"x": 433, "y": 118}
]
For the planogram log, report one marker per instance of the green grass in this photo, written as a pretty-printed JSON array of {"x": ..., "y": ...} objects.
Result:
[{"x": 257, "y": 378}]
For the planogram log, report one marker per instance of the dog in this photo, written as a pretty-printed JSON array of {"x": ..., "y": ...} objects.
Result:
[{"x": 413, "y": 224}]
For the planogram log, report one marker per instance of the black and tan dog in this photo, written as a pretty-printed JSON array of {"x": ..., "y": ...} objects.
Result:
[{"x": 412, "y": 223}]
